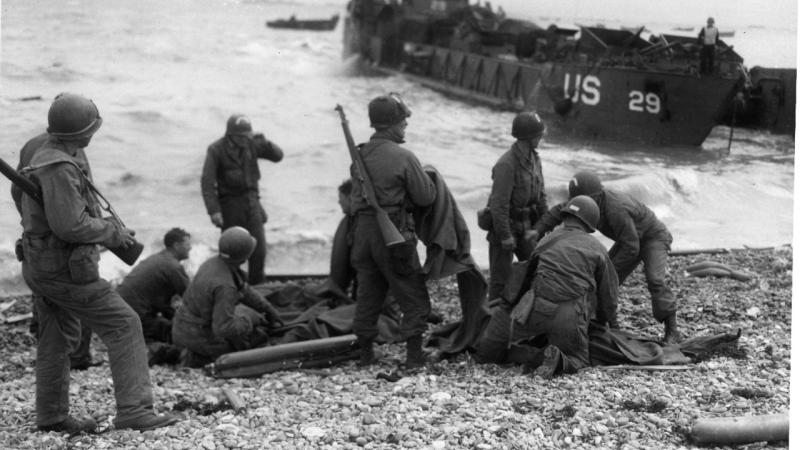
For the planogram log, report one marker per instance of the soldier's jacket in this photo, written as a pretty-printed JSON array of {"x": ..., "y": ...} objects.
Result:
[
  {"x": 150, "y": 286},
  {"x": 517, "y": 186},
  {"x": 231, "y": 170},
  {"x": 72, "y": 214},
  {"x": 396, "y": 174},
  {"x": 572, "y": 264},
  {"x": 623, "y": 219},
  {"x": 25, "y": 156},
  {"x": 211, "y": 298}
]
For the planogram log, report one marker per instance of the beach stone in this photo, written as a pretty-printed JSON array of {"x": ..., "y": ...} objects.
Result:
[
  {"x": 440, "y": 397},
  {"x": 352, "y": 432},
  {"x": 438, "y": 445},
  {"x": 313, "y": 433},
  {"x": 361, "y": 441},
  {"x": 369, "y": 419}
]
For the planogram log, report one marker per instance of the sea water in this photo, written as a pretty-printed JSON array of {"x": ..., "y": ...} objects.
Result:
[{"x": 167, "y": 74}]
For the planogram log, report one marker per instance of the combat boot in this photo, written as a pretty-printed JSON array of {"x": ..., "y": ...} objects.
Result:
[
  {"x": 415, "y": 357},
  {"x": 366, "y": 356},
  {"x": 550, "y": 363},
  {"x": 72, "y": 426},
  {"x": 671, "y": 333},
  {"x": 148, "y": 422}
]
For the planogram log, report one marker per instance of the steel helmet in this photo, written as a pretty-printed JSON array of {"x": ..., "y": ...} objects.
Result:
[
  {"x": 584, "y": 183},
  {"x": 527, "y": 125},
  {"x": 585, "y": 209},
  {"x": 73, "y": 117},
  {"x": 239, "y": 125},
  {"x": 236, "y": 244},
  {"x": 387, "y": 110}
]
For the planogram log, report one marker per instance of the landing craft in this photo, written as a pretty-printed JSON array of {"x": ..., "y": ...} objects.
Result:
[{"x": 596, "y": 83}]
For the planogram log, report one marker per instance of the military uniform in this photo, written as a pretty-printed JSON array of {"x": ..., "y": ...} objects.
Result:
[
  {"x": 638, "y": 235},
  {"x": 61, "y": 268},
  {"x": 516, "y": 202},
  {"x": 149, "y": 289},
  {"x": 574, "y": 281},
  {"x": 230, "y": 186},
  {"x": 214, "y": 318},
  {"x": 400, "y": 186},
  {"x": 81, "y": 357}
]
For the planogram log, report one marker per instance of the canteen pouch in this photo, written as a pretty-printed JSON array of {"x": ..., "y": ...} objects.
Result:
[
  {"x": 84, "y": 264},
  {"x": 404, "y": 258},
  {"x": 485, "y": 219}
]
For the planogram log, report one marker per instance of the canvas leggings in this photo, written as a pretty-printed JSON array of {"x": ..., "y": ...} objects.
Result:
[
  {"x": 654, "y": 254},
  {"x": 380, "y": 271},
  {"x": 61, "y": 306}
]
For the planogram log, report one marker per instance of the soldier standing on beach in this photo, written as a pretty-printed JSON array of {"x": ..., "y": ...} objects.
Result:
[
  {"x": 230, "y": 185},
  {"x": 61, "y": 267},
  {"x": 400, "y": 186},
  {"x": 81, "y": 357},
  {"x": 517, "y": 200}
]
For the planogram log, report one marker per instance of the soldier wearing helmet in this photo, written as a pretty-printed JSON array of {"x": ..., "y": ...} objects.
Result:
[
  {"x": 638, "y": 235},
  {"x": 60, "y": 264},
  {"x": 221, "y": 312},
  {"x": 401, "y": 186},
  {"x": 569, "y": 276},
  {"x": 516, "y": 201},
  {"x": 230, "y": 185}
]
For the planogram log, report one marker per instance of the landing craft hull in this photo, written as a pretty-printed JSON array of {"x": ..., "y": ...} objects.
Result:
[
  {"x": 606, "y": 85},
  {"x": 603, "y": 103}
]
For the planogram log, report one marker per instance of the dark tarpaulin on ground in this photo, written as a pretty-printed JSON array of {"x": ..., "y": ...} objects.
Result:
[
  {"x": 322, "y": 313},
  {"x": 606, "y": 346}
]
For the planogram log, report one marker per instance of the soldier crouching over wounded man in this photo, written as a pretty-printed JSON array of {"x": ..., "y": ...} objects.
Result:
[
  {"x": 221, "y": 313},
  {"x": 570, "y": 281}
]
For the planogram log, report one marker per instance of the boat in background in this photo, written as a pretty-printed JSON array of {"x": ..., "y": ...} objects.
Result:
[
  {"x": 315, "y": 24},
  {"x": 592, "y": 82}
]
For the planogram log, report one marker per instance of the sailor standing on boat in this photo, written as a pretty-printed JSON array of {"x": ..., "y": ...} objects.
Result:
[
  {"x": 516, "y": 202},
  {"x": 638, "y": 235},
  {"x": 708, "y": 40},
  {"x": 230, "y": 185},
  {"x": 400, "y": 187}
]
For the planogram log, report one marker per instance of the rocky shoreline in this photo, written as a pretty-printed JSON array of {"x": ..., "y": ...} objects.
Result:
[{"x": 459, "y": 404}]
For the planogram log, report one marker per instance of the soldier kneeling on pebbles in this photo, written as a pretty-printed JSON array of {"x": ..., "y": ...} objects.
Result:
[{"x": 570, "y": 277}]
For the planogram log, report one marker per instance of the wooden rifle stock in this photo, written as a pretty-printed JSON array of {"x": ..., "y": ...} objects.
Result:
[
  {"x": 128, "y": 254},
  {"x": 391, "y": 235}
]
